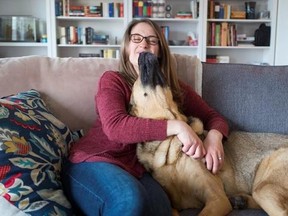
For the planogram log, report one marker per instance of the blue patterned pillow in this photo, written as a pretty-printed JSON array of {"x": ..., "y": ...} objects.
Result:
[{"x": 32, "y": 145}]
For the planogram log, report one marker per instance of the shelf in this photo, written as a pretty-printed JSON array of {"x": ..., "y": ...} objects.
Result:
[
  {"x": 238, "y": 47},
  {"x": 241, "y": 20},
  {"x": 183, "y": 47},
  {"x": 23, "y": 44},
  {"x": 172, "y": 19},
  {"x": 73, "y": 18},
  {"x": 89, "y": 45}
]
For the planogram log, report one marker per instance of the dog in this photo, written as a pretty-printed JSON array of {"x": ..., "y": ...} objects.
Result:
[{"x": 187, "y": 181}]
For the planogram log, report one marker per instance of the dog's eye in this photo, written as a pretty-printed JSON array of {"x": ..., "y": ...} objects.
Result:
[{"x": 145, "y": 94}]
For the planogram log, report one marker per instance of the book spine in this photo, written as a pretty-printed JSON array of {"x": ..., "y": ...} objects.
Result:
[
  {"x": 211, "y": 9},
  {"x": 105, "y": 9},
  {"x": 111, "y": 9},
  {"x": 224, "y": 34},
  {"x": 140, "y": 8},
  {"x": 62, "y": 35},
  {"x": 116, "y": 9},
  {"x": 218, "y": 34},
  {"x": 213, "y": 29},
  {"x": 121, "y": 8},
  {"x": 216, "y": 10},
  {"x": 89, "y": 35}
]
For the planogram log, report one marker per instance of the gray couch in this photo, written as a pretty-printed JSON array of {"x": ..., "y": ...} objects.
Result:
[{"x": 252, "y": 98}]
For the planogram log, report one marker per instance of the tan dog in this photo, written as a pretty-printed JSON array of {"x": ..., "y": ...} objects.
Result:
[{"x": 187, "y": 181}]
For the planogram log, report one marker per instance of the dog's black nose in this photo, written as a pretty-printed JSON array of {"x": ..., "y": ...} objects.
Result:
[{"x": 150, "y": 71}]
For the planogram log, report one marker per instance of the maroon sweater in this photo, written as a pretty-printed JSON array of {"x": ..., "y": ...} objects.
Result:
[{"x": 114, "y": 135}]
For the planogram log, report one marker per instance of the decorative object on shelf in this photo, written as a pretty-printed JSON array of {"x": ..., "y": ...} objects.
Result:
[
  {"x": 154, "y": 9},
  {"x": 161, "y": 8},
  {"x": 44, "y": 38},
  {"x": 184, "y": 15},
  {"x": 264, "y": 14},
  {"x": 18, "y": 28},
  {"x": 192, "y": 39},
  {"x": 168, "y": 10},
  {"x": 238, "y": 14},
  {"x": 250, "y": 10},
  {"x": 262, "y": 35}
]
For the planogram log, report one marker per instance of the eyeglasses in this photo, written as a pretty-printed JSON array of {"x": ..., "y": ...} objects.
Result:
[{"x": 137, "y": 38}]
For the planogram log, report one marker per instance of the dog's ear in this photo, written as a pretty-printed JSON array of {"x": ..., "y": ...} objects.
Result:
[{"x": 150, "y": 71}]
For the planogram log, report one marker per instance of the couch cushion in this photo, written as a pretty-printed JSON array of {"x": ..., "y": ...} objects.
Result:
[
  {"x": 252, "y": 97},
  {"x": 68, "y": 85},
  {"x": 32, "y": 145}
]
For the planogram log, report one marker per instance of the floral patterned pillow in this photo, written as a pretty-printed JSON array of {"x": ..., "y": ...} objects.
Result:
[{"x": 33, "y": 144}]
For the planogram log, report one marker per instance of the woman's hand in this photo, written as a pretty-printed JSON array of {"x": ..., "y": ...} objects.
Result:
[
  {"x": 214, "y": 151},
  {"x": 192, "y": 145}
]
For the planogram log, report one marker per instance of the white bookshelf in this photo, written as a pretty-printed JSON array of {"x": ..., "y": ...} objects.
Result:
[
  {"x": 246, "y": 53},
  {"x": 115, "y": 27}
]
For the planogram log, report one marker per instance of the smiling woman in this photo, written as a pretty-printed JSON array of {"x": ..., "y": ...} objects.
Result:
[{"x": 110, "y": 145}]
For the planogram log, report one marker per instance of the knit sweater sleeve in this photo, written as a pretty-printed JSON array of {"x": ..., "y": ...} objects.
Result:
[
  {"x": 195, "y": 106},
  {"x": 112, "y": 104}
]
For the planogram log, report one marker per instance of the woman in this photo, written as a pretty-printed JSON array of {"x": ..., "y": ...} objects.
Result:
[{"x": 104, "y": 176}]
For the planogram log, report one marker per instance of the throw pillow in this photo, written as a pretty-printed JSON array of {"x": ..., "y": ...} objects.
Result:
[{"x": 32, "y": 145}]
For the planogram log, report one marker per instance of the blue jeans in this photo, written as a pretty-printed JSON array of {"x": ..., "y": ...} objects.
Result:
[{"x": 99, "y": 188}]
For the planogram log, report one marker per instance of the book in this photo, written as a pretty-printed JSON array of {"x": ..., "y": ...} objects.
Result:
[
  {"x": 87, "y": 55},
  {"x": 224, "y": 34},
  {"x": 211, "y": 58},
  {"x": 111, "y": 9},
  {"x": 211, "y": 9},
  {"x": 218, "y": 34},
  {"x": 62, "y": 35},
  {"x": 222, "y": 59},
  {"x": 216, "y": 10}
]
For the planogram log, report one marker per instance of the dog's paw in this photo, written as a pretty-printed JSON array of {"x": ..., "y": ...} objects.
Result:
[{"x": 239, "y": 202}]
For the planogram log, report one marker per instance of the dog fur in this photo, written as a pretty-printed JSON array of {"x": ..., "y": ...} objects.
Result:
[{"x": 187, "y": 181}]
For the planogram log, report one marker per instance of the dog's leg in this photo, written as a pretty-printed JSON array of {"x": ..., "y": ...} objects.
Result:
[
  {"x": 217, "y": 205},
  {"x": 208, "y": 189},
  {"x": 271, "y": 184}
]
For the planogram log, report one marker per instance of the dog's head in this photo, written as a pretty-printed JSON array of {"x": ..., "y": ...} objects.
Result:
[{"x": 151, "y": 96}]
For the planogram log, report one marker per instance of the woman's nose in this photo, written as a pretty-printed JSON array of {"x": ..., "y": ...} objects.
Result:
[{"x": 144, "y": 43}]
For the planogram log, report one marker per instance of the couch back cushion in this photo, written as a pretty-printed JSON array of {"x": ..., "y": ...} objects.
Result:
[
  {"x": 68, "y": 85},
  {"x": 252, "y": 97}
]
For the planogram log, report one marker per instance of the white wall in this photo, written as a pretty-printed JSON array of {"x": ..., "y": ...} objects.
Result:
[{"x": 281, "y": 48}]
